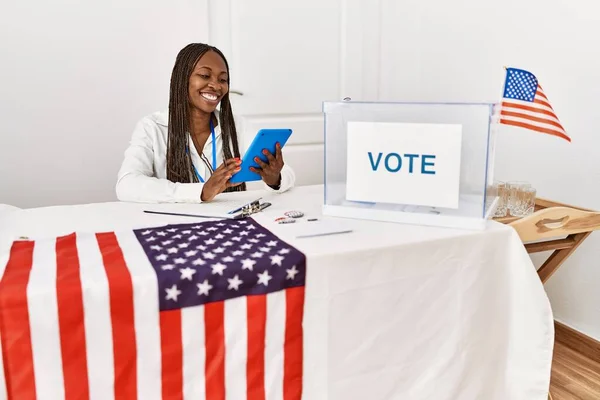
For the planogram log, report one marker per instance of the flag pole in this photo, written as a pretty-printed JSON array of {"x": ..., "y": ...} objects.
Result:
[{"x": 494, "y": 127}]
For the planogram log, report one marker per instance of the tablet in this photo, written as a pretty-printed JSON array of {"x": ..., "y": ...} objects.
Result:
[{"x": 264, "y": 139}]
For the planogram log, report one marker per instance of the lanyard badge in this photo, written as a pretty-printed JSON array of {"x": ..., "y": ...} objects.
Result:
[{"x": 214, "y": 152}]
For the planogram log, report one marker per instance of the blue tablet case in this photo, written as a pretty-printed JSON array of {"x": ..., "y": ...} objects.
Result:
[{"x": 264, "y": 139}]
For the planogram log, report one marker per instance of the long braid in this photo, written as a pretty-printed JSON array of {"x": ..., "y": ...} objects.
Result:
[
  {"x": 179, "y": 163},
  {"x": 229, "y": 133}
]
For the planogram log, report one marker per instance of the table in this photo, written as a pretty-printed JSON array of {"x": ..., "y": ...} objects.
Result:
[{"x": 392, "y": 311}]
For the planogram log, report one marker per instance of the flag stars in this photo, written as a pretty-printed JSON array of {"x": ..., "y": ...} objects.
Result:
[
  {"x": 167, "y": 267},
  {"x": 210, "y": 241},
  {"x": 172, "y": 293},
  {"x": 228, "y": 243},
  {"x": 198, "y": 261},
  {"x": 161, "y": 233},
  {"x": 219, "y": 236},
  {"x": 228, "y": 259},
  {"x": 248, "y": 264},
  {"x": 237, "y": 253},
  {"x": 265, "y": 249},
  {"x": 244, "y": 233},
  {"x": 179, "y": 260},
  {"x": 219, "y": 250},
  {"x": 204, "y": 288},
  {"x": 187, "y": 273},
  {"x": 146, "y": 233},
  {"x": 218, "y": 268},
  {"x": 156, "y": 247},
  {"x": 257, "y": 254},
  {"x": 264, "y": 278},
  {"x": 162, "y": 257},
  {"x": 192, "y": 238},
  {"x": 172, "y": 250},
  {"x": 191, "y": 253},
  {"x": 186, "y": 232},
  {"x": 172, "y": 230},
  {"x": 261, "y": 235},
  {"x": 284, "y": 251},
  {"x": 291, "y": 273},
  {"x": 234, "y": 283},
  {"x": 212, "y": 229},
  {"x": 237, "y": 238},
  {"x": 201, "y": 247},
  {"x": 276, "y": 260},
  {"x": 246, "y": 246},
  {"x": 151, "y": 239},
  {"x": 272, "y": 243},
  {"x": 253, "y": 240},
  {"x": 167, "y": 242},
  {"x": 227, "y": 231},
  {"x": 208, "y": 256}
]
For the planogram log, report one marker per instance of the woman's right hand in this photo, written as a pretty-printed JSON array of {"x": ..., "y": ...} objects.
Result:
[{"x": 219, "y": 180}]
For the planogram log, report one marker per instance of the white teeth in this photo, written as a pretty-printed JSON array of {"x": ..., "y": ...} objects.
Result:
[{"x": 208, "y": 96}]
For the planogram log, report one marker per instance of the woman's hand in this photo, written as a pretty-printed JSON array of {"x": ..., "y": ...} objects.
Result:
[
  {"x": 270, "y": 172},
  {"x": 219, "y": 180}
]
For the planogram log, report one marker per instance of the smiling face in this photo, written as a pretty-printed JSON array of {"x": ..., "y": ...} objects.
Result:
[{"x": 208, "y": 82}]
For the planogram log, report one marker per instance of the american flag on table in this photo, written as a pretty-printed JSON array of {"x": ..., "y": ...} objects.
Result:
[
  {"x": 210, "y": 310},
  {"x": 525, "y": 105}
]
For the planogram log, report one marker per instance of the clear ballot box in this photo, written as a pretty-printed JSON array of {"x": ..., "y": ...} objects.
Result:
[{"x": 416, "y": 163}]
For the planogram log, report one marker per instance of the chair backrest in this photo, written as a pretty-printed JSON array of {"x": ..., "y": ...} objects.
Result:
[{"x": 555, "y": 221}]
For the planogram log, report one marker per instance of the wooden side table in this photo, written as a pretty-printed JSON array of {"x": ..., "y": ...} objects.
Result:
[{"x": 554, "y": 226}]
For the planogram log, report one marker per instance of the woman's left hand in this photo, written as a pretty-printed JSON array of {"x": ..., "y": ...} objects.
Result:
[{"x": 270, "y": 171}]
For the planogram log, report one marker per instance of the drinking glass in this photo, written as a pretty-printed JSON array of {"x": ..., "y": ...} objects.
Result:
[
  {"x": 500, "y": 189},
  {"x": 525, "y": 204},
  {"x": 514, "y": 187}
]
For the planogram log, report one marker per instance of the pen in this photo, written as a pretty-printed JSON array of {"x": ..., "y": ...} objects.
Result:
[{"x": 180, "y": 214}]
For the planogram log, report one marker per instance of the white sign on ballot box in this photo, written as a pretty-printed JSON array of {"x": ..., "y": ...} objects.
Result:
[{"x": 404, "y": 163}]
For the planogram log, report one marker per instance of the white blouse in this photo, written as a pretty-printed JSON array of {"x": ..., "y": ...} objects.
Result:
[{"x": 143, "y": 174}]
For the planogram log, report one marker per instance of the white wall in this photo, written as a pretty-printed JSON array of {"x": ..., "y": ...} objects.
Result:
[{"x": 74, "y": 79}]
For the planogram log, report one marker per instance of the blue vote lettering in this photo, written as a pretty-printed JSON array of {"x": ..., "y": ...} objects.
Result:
[{"x": 393, "y": 162}]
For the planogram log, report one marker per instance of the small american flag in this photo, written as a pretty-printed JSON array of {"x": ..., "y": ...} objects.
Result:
[
  {"x": 211, "y": 310},
  {"x": 525, "y": 105}
]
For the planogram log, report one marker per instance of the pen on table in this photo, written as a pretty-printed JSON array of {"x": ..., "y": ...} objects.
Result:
[{"x": 178, "y": 214}]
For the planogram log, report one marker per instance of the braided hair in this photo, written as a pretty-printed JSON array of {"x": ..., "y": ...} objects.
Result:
[{"x": 179, "y": 162}]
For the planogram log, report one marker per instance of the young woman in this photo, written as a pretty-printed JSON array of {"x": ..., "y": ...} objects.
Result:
[{"x": 189, "y": 154}]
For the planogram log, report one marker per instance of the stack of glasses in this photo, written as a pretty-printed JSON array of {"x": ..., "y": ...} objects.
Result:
[{"x": 515, "y": 198}]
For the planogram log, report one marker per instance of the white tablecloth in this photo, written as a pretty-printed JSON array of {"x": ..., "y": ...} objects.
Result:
[{"x": 392, "y": 311}]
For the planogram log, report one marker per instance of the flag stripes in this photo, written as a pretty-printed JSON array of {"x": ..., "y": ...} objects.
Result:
[
  {"x": 255, "y": 371},
  {"x": 14, "y": 323},
  {"x": 45, "y": 335},
  {"x": 123, "y": 317}
]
